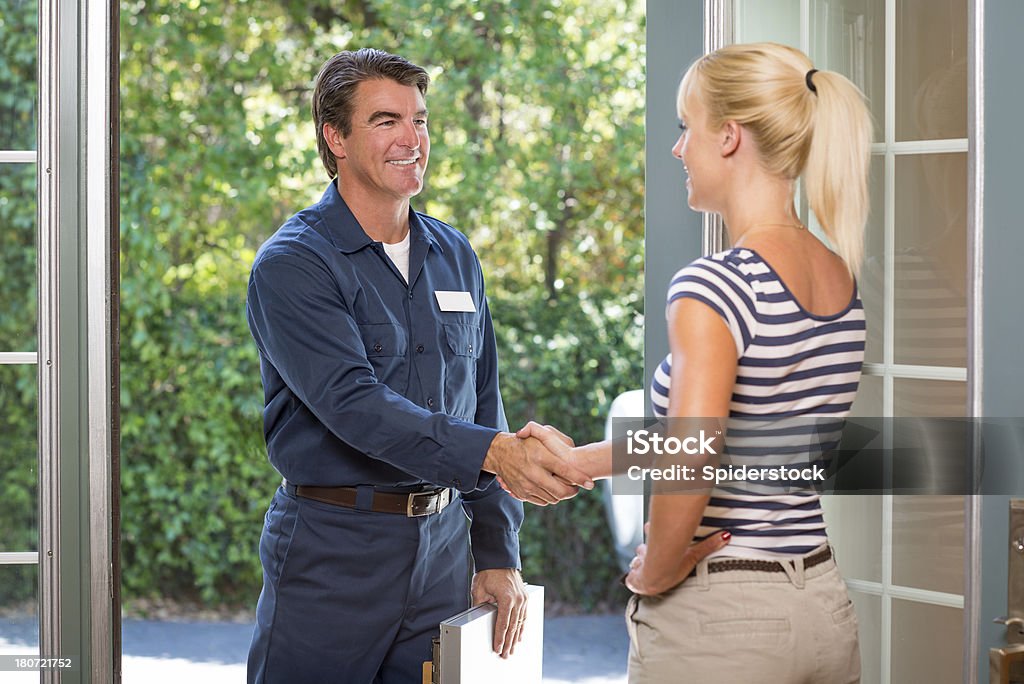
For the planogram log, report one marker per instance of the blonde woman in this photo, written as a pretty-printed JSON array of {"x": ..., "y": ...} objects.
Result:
[{"x": 772, "y": 327}]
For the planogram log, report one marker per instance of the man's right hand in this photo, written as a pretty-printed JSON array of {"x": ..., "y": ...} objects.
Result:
[{"x": 533, "y": 473}]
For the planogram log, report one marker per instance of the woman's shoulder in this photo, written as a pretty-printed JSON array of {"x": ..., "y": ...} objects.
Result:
[{"x": 737, "y": 265}]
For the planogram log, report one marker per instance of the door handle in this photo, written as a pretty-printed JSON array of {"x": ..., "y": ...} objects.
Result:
[{"x": 1012, "y": 622}]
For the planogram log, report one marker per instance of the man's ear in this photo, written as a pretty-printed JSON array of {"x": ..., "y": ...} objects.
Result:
[
  {"x": 731, "y": 134},
  {"x": 335, "y": 141}
]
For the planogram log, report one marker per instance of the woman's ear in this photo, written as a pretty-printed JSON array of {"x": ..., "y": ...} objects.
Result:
[
  {"x": 731, "y": 134},
  {"x": 335, "y": 141}
]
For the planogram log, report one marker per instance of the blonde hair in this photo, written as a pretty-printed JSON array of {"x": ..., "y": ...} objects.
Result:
[{"x": 824, "y": 136}]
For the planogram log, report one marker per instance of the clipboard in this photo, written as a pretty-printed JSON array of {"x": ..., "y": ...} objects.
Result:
[{"x": 466, "y": 656}]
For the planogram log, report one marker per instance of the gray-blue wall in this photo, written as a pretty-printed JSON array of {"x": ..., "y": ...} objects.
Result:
[
  {"x": 675, "y": 37},
  {"x": 1003, "y": 319}
]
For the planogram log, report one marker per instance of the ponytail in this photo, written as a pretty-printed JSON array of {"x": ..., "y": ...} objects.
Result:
[{"x": 836, "y": 176}]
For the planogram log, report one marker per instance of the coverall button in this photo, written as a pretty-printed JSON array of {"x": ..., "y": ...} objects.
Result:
[
  {"x": 419, "y": 348},
  {"x": 430, "y": 402},
  {"x": 378, "y": 347}
]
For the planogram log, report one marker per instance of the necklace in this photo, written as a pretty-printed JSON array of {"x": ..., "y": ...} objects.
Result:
[
  {"x": 753, "y": 229},
  {"x": 798, "y": 226},
  {"x": 746, "y": 234}
]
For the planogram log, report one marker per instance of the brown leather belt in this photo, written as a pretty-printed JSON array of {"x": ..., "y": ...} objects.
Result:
[
  {"x": 411, "y": 504},
  {"x": 763, "y": 565}
]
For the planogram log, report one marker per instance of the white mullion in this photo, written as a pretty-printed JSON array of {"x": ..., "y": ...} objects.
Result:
[
  {"x": 889, "y": 330},
  {"x": 927, "y": 596},
  {"x": 864, "y": 586},
  {"x": 911, "y": 372},
  {"x": 919, "y": 147},
  {"x": 805, "y": 27},
  {"x": 889, "y": 212},
  {"x": 889, "y": 278},
  {"x": 887, "y": 589},
  {"x": 804, "y": 210},
  {"x": 19, "y": 558},
  {"x": 18, "y": 358},
  {"x": 17, "y": 156},
  {"x": 937, "y": 598}
]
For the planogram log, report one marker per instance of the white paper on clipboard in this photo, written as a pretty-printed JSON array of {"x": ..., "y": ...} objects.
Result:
[{"x": 467, "y": 656}]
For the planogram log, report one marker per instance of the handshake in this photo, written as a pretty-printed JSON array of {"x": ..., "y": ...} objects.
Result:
[{"x": 541, "y": 465}]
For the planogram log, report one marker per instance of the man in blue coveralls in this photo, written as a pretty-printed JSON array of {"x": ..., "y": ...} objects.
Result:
[{"x": 383, "y": 412}]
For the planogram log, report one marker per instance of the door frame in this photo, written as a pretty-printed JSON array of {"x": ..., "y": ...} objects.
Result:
[
  {"x": 975, "y": 330},
  {"x": 77, "y": 186},
  {"x": 997, "y": 102}
]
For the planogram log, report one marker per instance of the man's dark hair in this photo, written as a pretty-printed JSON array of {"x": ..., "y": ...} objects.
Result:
[{"x": 335, "y": 90}]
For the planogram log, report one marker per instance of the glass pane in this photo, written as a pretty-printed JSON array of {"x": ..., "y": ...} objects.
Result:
[
  {"x": 931, "y": 260},
  {"x": 855, "y": 530},
  {"x": 929, "y": 398},
  {"x": 868, "y": 403},
  {"x": 928, "y": 542},
  {"x": 931, "y": 69},
  {"x": 869, "y": 629},
  {"x": 777, "y": 21},
  {"x": 872, "y": 275},
  {"x": 927, "y": 643},
  {"x": 848, "y": 36},
  {"x": 19, "y": 622},
  {"x": 18, "y": 458},
  {"x": 18, "y": 257},
  {"x": 18, "y": 74}
]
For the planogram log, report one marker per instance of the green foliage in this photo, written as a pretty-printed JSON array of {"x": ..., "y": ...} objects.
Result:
[
  {"x": 565, "y": 359},
  {"x": 18, "y": 395},
  {"x": 18, "y": 99},
  {"x": 537, "y": 136}
]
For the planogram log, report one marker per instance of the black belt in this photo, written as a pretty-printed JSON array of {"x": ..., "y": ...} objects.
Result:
[
  {"x": 411, "y": 504},
  {"x": 763, "y": 565}
]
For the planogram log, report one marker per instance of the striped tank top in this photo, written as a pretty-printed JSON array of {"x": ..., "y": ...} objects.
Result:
[{"x": 793, "y": 366}]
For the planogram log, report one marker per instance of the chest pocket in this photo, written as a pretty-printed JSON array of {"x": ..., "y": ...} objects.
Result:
[
  {"x": 386, "y": 345},
  {"x": 463, "y": 350}
]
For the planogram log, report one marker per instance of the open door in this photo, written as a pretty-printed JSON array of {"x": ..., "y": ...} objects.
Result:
[{"x": 903, "y": 556}]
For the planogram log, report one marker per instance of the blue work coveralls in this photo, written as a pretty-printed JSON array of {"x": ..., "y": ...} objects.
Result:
[{"x": 370, "y": 383}]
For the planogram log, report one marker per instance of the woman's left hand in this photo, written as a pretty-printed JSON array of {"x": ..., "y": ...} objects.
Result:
[{"x": 637, "y": 583}]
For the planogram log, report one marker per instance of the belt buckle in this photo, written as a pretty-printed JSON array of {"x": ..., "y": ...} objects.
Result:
[{"x": 435, "y": 502}]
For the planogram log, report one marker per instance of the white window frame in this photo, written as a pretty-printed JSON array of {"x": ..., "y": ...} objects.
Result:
[{"x": 18, "y": 358}]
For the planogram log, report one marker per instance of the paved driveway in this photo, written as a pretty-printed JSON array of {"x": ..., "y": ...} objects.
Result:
[{"x": 579, "y": 650}]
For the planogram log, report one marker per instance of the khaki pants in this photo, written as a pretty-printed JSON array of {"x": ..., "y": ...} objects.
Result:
[{"x": 747, "y": 627}]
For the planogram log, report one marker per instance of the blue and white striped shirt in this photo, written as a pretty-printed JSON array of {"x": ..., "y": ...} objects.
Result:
[{"x": 793, "y": 365}]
